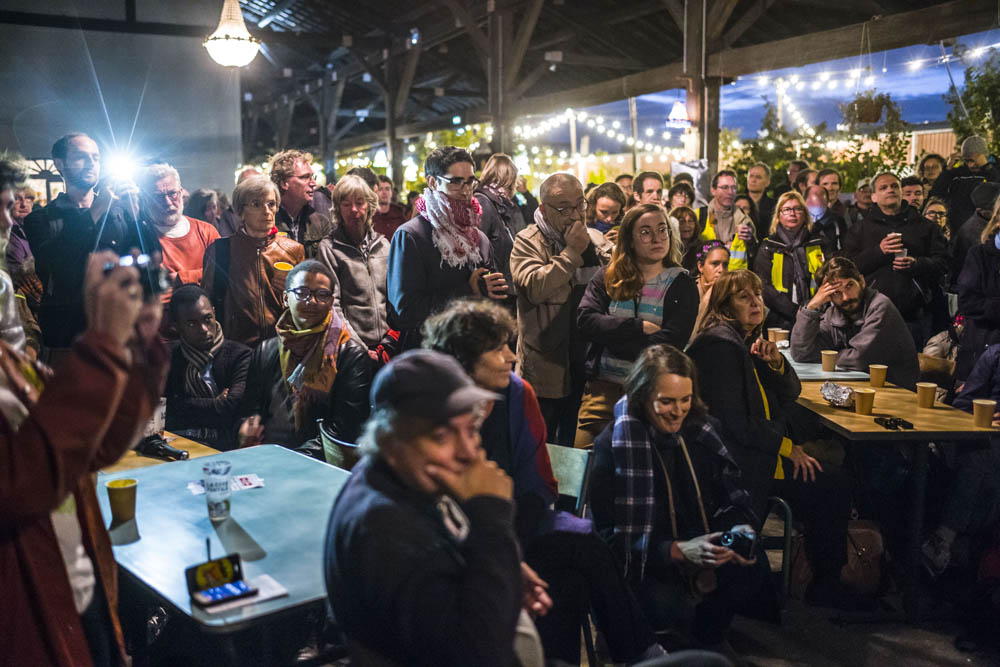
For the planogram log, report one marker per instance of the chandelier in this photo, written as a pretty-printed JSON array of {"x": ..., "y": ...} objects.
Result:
[{"x": 231, "y": 44}]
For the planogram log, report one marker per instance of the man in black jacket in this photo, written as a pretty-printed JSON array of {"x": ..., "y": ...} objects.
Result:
[
  {"x": 422, "y": 563},
  {"x": 84, "y": 218},
  {"x": 208, "y": 374},
  {"x": 955, "y": 186},
  {"x": 315, "y": 370},
  {"x": 970, "y": 231},
  {"x": 901, "y": 254}
]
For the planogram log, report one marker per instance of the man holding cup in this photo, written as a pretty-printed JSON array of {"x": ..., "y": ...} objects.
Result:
[
  {"x": 59, "y": 582},
  {"x": 861, "y": 324},
  {"x": 900, "y": 253}
]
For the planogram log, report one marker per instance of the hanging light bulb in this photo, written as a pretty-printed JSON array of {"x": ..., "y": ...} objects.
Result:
[
  {"x": 231, "y": 44},
  {"x": 678, "y": 113}
]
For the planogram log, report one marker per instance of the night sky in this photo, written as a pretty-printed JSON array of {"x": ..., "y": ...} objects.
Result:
[{"x": 918, "y": 91}]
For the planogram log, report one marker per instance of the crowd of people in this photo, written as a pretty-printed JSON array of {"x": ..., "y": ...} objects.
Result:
[{"x": 452, "y": 337}]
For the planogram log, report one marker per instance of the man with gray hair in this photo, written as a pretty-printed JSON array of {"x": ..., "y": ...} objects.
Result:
[
  {"x": 183, "y": 240},
  {"x": 551, "y": 263}
]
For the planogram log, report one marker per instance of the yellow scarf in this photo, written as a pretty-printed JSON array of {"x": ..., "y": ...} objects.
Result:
[{"x": 310, "y": 379}]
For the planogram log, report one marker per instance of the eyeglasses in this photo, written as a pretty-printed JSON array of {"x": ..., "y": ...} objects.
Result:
[
  {"x": 172, "y": 195},
  {"x": 269, "y": 205},
  {"x": 792, "y": 210},
  {"x": 646, "y": 234},
  {"x": 457, "y": 183},
  {"x": 580, "y": 207},
  {"x": 304, "y": 294},
  {"x": 726, "y": 188},
  {"x": 935, "y": 215}
]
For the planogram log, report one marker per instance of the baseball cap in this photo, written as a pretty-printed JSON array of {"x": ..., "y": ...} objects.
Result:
[
  {"x": 428, "y": 384},
  {"x": 865, "y": 182}
]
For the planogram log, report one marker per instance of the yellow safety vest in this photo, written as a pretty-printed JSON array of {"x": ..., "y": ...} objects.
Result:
[
  {"x": 738, "y": 257},
  {"x": 786, "y": 444},
  {"x": 814, "y": 260}
]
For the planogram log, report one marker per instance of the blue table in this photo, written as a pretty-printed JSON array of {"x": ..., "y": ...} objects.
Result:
[
  {"x": 278, "y": 530},
  {"x": 815, "y": 372}
]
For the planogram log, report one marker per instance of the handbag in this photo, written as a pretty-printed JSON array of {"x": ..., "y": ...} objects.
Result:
[
  {"x": 861, "y": 574},
  {"x": 865, "y": 550}
]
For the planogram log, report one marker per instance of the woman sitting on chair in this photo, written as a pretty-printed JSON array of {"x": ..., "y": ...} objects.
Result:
[{"x": 664, "y": 487}]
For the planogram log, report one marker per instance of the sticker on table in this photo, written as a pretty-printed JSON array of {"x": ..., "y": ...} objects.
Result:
[{"x": 236, "y": 483}]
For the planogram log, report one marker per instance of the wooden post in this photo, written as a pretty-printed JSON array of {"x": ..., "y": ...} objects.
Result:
[{"x": 694, "y": 67}]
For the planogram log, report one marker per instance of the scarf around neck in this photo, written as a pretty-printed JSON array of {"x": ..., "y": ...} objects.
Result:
[
  {"x": 632, "y": 442},
  {"x": 725, "y": 228},
  {"x": 194, "y": 380},
  {"x": 308, "y": 359},
  {"x": 455, "y": 227}
]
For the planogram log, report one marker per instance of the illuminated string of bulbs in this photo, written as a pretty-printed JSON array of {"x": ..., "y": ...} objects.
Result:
[{"x": 612, "y": 129}]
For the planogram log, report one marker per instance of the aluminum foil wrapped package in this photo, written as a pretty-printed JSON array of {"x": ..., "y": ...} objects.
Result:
[{"x": 838, "y": 395}]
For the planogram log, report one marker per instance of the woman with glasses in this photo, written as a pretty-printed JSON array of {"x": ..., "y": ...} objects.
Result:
[
  {"x": 936, "y": 210},
  {"x": 788, "y": 260},
  {"x": 244, "y": 274},
  {"x": 644, "y": 297},
  {"x": 441, "y": 254},
  {"x": 314, "y": 371}
]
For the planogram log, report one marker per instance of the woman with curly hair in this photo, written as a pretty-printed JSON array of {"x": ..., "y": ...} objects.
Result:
[{"x": 644, "y": 297}]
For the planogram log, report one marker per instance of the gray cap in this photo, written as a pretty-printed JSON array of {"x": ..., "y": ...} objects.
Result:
[
  {"x": 974, "y": 145},
  {"x": 985, "y": 194},
  {"x": 865, "y": 182},
  {"x": 428, "y": 384}
]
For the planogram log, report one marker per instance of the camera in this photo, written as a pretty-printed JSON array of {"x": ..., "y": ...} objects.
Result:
[
  {"x": 741, "y": 541},
  {"x": 152, "y": 277}
]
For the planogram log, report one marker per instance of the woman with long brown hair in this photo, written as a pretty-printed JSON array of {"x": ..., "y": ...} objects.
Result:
[
  {"x": 749, "y": 386},
  {"x": 644, "y": 297}
]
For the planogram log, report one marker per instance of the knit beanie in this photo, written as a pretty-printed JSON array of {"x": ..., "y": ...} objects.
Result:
[{"x": 974, "y": 145}]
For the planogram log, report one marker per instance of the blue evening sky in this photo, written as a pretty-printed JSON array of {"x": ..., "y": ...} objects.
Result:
[{"x": 919, "y": 93}]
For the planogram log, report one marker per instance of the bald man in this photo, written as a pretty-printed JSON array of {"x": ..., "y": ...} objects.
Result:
[{"x": 551, "y": 263}]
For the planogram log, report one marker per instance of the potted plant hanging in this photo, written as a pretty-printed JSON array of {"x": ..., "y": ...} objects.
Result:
[{"x": 867, "y": 107}]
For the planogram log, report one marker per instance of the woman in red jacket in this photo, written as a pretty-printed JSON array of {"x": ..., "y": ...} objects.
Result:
[{"x": 57, "y": 572}]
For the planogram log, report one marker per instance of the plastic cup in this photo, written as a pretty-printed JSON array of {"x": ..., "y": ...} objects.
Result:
[
  {"x": 829, "y": 360},
  {"x": 283, "y": 266},
  {"x": 982, "y": 412},
  {"x": 925, "y": 394},
  {"x": 877, "y": 373},
  {"x": 864, "y": 401},
  {"x": 121, "y": 498},
  {"x": 217, "y": 492}
]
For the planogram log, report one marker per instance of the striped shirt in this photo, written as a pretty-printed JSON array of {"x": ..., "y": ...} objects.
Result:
[{"x": 648, "y": 307}]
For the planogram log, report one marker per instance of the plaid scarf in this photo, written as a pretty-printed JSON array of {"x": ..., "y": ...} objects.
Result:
[
  {"x": 308, "y": 359},
  {"x": 194, "y": 380},
  {"x": 455, "y": 227},
  {"x": 632, "y": 442}
]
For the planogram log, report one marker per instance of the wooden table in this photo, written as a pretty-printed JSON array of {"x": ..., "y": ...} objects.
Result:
[
  {"x": 942, "y": 422},
  {"x": 133, "y": 460},
  {"x": 939, "y": 423}
]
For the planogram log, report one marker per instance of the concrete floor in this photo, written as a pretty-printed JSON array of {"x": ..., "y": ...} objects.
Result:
[{"x": 810, "y": 636}]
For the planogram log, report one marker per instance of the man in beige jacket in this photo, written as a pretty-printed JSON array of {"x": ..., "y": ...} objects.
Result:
[{"x": 551, "y": 262}]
